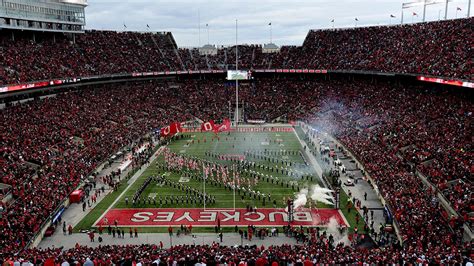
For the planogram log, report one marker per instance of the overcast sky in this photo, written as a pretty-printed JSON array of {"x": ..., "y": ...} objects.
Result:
[{"x": 291, "y": 19}]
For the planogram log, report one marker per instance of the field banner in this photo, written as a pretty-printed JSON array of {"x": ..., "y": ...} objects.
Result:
[
  {"x": 164, "y": 217},
  {"x": 242, "y": 129},
  {"x": 224, "y": 127},
  {"x": 170, "y": 130},
  {"x": 208, "y": 126}
]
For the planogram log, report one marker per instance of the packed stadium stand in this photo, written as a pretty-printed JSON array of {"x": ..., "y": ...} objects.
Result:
[
  {"x": 398, "y": 131},
  {"x": 435, "y": 48},
  {"x": 374, "y": 120}
]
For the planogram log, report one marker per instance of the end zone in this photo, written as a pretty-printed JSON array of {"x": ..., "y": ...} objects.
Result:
[{"x": 164, "y": 217}]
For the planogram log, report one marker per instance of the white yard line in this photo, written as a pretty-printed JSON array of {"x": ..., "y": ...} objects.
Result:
[
  {"x": 129, "y": 182},
  {"x": 344, "y": 218},
  {"x": 312, "y": 160}
]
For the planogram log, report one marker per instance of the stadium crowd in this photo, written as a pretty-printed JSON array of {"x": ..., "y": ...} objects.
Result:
[
  {"x": 314, "y": 253},
  {"x": 415, "y": 48},
  {"x": 393, "y": 129},
  {"x": 434, "y": 48},
  {"x": 420, "y": 129},
  {"x": 50, "y": 145},
  {"x": 61, "y": 140},
  {"x": 93, "y": 53}
]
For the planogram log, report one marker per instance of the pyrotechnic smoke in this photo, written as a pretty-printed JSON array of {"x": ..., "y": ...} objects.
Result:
[
  {"x": 301, "y": 198},
  {"x": 333, "y": 229},
  {"x": 320, "y": 194},
  {"x": 322, "y": 120},
  {"x": 317, "y": 194}
]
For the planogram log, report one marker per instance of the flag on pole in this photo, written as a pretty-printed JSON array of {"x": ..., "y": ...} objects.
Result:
[
  {"x": 392, "y": 16},
  {"x": 458, "y": 9},
  {"x": 208, "y": 126},
  {"x": 224, "y": 127},
  {"x": 170, "y": 130}
]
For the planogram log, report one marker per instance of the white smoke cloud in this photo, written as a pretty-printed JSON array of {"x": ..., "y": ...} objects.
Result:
[
  {"x": 316, "y": 193},
  {"x": 301, "y": 198},
  {"x": 333, "y": 229},
  {"x": 320, "y": 194}
]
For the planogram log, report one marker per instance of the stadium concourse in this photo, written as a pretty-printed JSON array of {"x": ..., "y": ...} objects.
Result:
[{"x": 400, "y": 132}]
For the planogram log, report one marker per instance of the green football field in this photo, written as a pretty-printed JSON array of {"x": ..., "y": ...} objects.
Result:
[
  {"x": 268, "y": 150},
  {"x": 229, "y": 144}
]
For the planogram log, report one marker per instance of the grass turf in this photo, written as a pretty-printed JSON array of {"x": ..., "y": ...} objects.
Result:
[{"x": 196, "y": 145}]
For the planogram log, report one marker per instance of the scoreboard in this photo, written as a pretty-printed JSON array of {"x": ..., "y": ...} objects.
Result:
[{"x": 237, "y": 75}]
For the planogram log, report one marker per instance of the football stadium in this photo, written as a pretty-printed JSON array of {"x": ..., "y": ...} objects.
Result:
[{"x": 138, "y": 146}]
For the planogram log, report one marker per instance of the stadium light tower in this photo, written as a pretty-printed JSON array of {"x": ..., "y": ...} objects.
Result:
[
  {"x": 236, "y": 87},
  {"x": 424, "y": 11},
  {"x": 271, "y": 32},
  {"x": 236, "y": 80},
  {"x": 469, "y": 8},
  {"x": 207, "y": 27},
  {"x": 199, "y": 27},
  {"x": 446, "y": 10}
]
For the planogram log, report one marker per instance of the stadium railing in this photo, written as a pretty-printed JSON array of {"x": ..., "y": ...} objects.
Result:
[
  {"x": 60, "y": 82},
  {"x": 445, "y": 203}
]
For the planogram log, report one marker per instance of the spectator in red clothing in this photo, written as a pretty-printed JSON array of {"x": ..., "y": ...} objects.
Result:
[
  {"x": 398, "y": 49},
  {"x": 262, "y": 261},
  {"x": 91, "y": 236},
  {"x": 318, "y": 252},
  {"x": 396, "y": 132}
]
